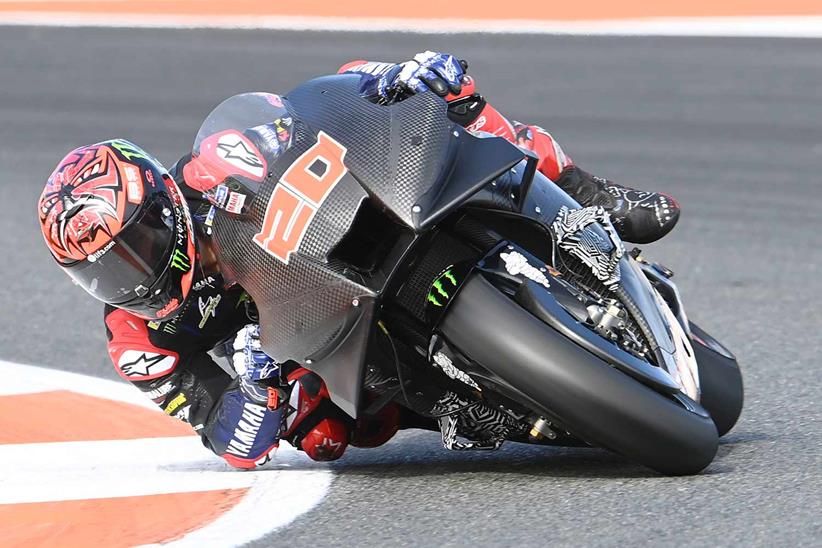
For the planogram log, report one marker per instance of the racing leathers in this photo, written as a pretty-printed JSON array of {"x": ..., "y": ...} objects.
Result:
[{"x": 638, "y": 216}]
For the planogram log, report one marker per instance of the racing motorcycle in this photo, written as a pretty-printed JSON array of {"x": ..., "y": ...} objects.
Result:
[{"x": 406, "y": 261}]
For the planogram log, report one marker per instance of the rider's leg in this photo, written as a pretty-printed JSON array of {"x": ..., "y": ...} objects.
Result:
[{"x": 638, "y": 216}]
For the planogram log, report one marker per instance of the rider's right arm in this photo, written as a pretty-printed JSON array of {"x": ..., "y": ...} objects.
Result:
[
  {"x": 190, "y": 386},
  {"x": 185, "y": 384}
]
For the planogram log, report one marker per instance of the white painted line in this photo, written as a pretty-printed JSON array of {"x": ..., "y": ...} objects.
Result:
[
  {"x": 273, "y": 502},
  {"x": 129, "y": 468},
  {"x": 283, "y": 490},
  {"x": 765, "y": 26},
  {"x": 28, "y": 379}
]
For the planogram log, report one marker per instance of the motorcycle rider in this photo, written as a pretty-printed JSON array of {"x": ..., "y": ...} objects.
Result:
[{"x": 136, "y": 237}]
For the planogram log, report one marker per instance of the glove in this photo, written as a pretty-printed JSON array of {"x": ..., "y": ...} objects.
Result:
[
  {"x": 437, "y": 72},
  {"x": 258, "y": 373}
]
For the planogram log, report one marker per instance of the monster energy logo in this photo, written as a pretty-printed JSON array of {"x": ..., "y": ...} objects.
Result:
[
  {"x": 169, "y": 327},
  {"x": 180, "y": 261},
  {"x": 128, "y": 150},
  {"x": 439, "y": 292}
]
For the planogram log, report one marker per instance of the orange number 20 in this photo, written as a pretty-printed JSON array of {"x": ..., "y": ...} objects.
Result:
[{"x": 302, "y": 189}]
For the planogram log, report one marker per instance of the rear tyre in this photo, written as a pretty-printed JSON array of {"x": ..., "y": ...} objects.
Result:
[{"x": 591, "y": 399}]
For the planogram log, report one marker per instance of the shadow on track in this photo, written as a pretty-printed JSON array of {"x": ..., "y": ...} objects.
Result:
[{"x": 419, "y": 454}]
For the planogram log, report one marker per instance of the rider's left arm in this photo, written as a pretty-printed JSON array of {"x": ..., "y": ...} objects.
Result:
[{"x": 466, "y": 106}]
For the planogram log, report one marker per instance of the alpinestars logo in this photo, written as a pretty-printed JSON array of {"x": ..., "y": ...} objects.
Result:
[
  {"x": 134, "y": 363},
  {"x": 241, "y": 153},
  {"x": 328, "y": 449},
  {"x": 328, "y": 445}
]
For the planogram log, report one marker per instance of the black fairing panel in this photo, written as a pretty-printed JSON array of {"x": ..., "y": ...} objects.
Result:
[
  {"x": 720, "y": 380},
  {"x": 477, "y": 162},
  {"x": 402, "y": 154},
  {"x": 303, "y": 304},
  {"x": 544, "y": 198},
  {"x": 306, "y": 306}
]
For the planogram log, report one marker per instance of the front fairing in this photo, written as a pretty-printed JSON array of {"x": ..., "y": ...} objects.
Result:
[
  {"x": 408, "y": 156},
  {"x": 305, "y": 300},
  {"x": 408, "y": 160}
]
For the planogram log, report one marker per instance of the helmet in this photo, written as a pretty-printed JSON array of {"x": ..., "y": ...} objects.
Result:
[{"x": 117, "y": 223}]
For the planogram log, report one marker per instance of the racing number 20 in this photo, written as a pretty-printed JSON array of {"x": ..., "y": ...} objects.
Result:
[{"x": 301, "y": 190}]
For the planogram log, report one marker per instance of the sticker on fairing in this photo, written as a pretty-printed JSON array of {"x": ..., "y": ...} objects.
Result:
[
  {"x": 236, "y": 201},
  {"x": 220, "y": 195},
  {"x": 240, "y": 152},
  {"x": 516, "y": 263},
  {"x": 302, "y": 189},
  {"x": 209, "y": 220}
]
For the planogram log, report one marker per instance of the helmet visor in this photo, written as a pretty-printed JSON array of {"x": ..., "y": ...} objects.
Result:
[{"x": 131, "y": 264}]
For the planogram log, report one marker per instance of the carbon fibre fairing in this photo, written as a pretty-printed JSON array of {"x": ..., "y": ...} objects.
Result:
[{"x": 407, "y": 158}]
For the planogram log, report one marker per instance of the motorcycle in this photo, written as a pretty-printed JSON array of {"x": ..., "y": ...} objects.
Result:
[{"x": 406, "y": 261}]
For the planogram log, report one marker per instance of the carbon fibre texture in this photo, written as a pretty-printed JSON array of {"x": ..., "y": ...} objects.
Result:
[
  {"x": 398, "y": 153},
  {"x": 303, "y": 305}
]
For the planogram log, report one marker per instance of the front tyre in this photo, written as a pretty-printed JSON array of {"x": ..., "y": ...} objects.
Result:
[
  {"x": 591, "y": 399},
  {"x": 720, "y": 380}
]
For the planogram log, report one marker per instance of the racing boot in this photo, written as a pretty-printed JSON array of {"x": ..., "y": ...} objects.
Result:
[
  {"x": 312, "y": 423},
  {"x": 639, "y": 217}
]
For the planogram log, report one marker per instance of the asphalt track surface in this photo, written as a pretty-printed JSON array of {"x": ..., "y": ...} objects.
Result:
[{"x": 732, "y": 127}]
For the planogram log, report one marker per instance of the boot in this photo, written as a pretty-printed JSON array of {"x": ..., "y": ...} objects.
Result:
[{"x": 639, "y": 217}]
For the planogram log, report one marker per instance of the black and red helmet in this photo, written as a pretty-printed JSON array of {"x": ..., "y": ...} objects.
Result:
[{"x": 118, "y": 225}]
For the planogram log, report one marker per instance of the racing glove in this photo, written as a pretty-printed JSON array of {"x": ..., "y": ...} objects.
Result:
[
  {"x": 258, "y": 374},
  {"x": 246, "y": 424},
  {"x": 438, "y": 72}
]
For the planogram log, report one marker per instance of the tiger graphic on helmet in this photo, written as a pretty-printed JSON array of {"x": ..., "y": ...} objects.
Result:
[
  {"x": 83, "y": 205},
  {"x": 117, "y": 223}
]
